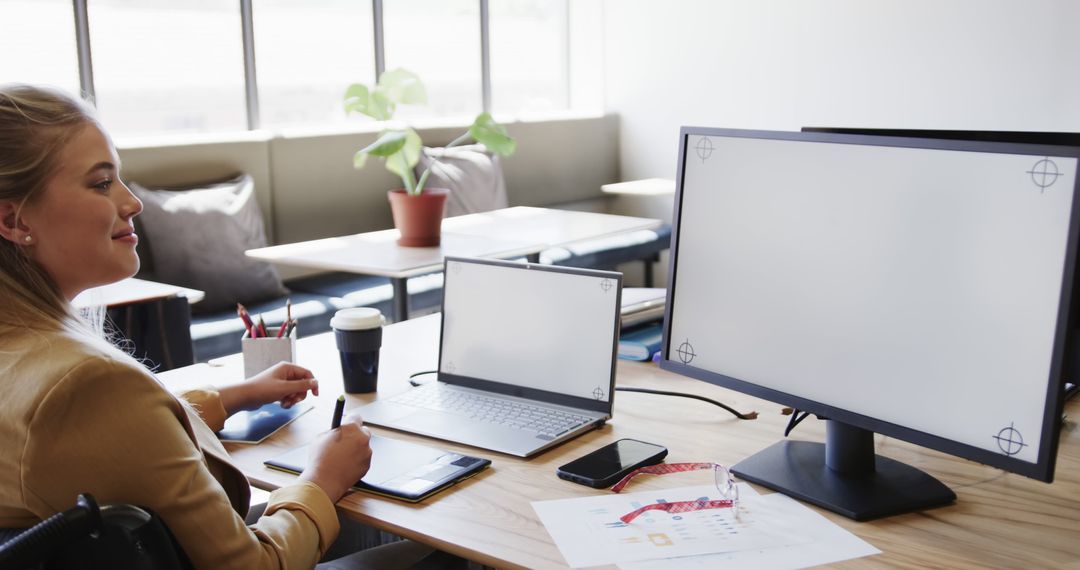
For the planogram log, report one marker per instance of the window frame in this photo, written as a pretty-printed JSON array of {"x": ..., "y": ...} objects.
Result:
[{"x": 251, "y": 90}]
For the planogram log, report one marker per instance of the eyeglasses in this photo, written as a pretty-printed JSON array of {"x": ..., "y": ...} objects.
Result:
[{"x": 725, "y": 484}]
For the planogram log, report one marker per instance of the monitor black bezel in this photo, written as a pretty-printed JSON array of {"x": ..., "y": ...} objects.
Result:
[
  {"x": 603, "y": 406},
  {"x": 1043, "y": 469},
  {"x": 1022, "y": 137}
]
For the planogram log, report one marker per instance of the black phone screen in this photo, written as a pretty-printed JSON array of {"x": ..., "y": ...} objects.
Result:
[{"x": 613, "y": 460}]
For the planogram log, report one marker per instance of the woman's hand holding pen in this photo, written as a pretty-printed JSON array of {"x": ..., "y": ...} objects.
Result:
[
  {"x": 284, "y": 382},
  {"x": 340, "y": 458}
]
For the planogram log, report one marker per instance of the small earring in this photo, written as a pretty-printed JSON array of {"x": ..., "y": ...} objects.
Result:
[{"x": 28, "y": 239}]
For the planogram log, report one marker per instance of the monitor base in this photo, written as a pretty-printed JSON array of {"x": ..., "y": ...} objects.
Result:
[{"x": 798, "y": 469}]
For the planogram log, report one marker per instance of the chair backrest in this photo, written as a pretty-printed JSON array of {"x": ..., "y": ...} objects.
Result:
[{"x": 86, "y": 536}]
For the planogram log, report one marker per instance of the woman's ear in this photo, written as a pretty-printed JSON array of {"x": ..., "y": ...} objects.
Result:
[{"x": 11, "y": 227}]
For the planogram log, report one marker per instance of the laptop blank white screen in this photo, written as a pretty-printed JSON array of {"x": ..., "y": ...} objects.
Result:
[{"x": 533, "y": 328}]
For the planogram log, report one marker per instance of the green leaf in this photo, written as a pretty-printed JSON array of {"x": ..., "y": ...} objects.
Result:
[
  {"x": 382, "y": 107},
  {"x": 413, "y": 147},
  {"x": 359, "y": 159},
  {"x": 388, "y": 144},
  {"x": 357, "y": 99},
  {"x": 375, "y": 104},
  {"x": 492, "y": 135},
  {"x": 402, "y": 86},
  {"x": 410, "y": 154}
]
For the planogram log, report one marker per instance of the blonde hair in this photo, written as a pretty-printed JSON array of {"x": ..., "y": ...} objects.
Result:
[{"x": 35, "y": 123}]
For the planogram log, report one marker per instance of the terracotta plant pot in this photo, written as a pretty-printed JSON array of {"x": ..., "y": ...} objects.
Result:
[{"x": 418, "y": 218}]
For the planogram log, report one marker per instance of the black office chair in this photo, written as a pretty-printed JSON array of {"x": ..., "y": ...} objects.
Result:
[{"x": 86, "y": 536}]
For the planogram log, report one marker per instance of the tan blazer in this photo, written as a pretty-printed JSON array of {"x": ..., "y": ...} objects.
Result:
[{"x": 78, "y": 418}]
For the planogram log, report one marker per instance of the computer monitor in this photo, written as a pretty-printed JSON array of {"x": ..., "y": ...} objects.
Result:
[
  {"x": 883, "y": 284},
  {"x": 1072, "y": 351}
]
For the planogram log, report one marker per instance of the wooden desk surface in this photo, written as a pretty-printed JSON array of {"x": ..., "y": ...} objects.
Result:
[{"x": 999, "y": 519}]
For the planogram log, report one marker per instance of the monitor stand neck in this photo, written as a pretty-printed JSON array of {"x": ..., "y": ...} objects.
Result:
[
  {"x": 849, "y": 451},
  {"x": 844, "y": 475}
]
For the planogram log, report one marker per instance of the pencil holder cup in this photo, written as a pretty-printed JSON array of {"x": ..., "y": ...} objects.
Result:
[{"x": 261, "y": 353}]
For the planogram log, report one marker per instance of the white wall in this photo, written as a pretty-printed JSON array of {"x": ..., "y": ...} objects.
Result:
[{"x": 783, "y": 64}]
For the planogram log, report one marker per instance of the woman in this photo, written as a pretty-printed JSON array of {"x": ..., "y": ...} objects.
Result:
[{"x": 78, "y": 415}]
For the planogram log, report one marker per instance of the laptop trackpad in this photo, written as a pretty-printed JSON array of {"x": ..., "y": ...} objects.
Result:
[
  {"x": 383, "y": 413},
  {"x": 433, "y": 422},
  {"x": 471, "y": 432},
  {"x": 411, "y": 418}
]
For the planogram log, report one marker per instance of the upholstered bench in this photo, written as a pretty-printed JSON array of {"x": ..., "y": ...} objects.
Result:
[{"x": 609, "y": 252}]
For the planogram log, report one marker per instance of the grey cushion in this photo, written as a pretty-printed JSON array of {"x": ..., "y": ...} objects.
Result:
[
  {"x": 473, "y": 176},
  {"x": 198, "y": 235}
]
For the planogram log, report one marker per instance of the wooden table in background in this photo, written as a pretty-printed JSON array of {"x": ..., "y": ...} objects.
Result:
[
  {"x": 999, "y": 519},
  {"x": 377, "y": 253},
  {"x": 499, "y": 234},
  {"x": 549, "y": 226},
  {"x": 133, "y": 290},
  {"x": 154, "y": 318}
]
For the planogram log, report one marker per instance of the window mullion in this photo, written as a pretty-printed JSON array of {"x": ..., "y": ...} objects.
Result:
[
  {"x": 485, "y": 56},
  {"x": 82, "y": 48},
  {"x": 251, "y": 83},
  {"x": 380, "y": 43}
]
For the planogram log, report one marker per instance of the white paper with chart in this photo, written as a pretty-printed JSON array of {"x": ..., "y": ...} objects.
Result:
[
  {"x": 588, "y": 531},
  {"x": 828, "y": 543}
]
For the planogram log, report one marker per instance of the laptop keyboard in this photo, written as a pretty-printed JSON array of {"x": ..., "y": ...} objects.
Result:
[{"x": 543, "y": 421}]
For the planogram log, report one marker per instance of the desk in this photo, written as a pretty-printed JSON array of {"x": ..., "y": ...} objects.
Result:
[
  {"x": 548, "y": 226},
  {"x": 999, "y": 520},
  {"x": 133, "y": 290},
  {"x": 154, "y": 317},
  {"x": 501, "y": 234},
  {"x": 377, "y": 253}
]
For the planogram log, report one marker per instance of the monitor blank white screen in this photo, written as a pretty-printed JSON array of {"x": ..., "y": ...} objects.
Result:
[{"x": 914, "y": 286}]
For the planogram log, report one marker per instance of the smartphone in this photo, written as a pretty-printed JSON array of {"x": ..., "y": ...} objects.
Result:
[{"x": 605, "y": 466}]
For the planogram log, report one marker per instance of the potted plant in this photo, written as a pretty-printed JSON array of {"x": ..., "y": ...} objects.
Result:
[{"x": 417, "y": 210}]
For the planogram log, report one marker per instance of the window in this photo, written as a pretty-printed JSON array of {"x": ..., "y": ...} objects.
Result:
[
  {"x": 37, "y": 40},
  {"x": 306, "y": 54},
  {"x": 440, "y": 41},
  {"x": 529, "y": 56},
  {"x": 161, "y": 66},
  {"x": 164, "y": 66},
  {"x": 585, "y": 26}
]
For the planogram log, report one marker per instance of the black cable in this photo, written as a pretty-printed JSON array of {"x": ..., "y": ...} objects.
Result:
[
  {"x": 415, "y": 374},
  {"x": 734, "y": 412},
  {"x": 796, "y": 417}
]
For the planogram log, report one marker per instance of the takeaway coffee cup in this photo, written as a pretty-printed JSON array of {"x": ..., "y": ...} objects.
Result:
[{"x": 359, "y": 335}]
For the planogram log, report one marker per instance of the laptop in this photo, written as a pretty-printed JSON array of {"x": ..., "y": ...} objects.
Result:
[{"x": 526, "y": 358}]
